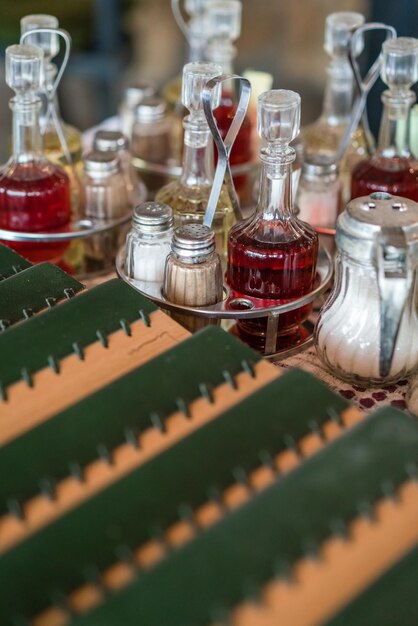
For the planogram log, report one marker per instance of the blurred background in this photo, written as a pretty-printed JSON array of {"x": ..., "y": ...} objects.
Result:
[{"x": 116, "y": 41}]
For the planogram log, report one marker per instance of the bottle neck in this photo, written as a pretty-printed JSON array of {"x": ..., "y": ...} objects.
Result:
[
  {"x": 26, "y": 138},
  {"x": 394, "y": 128},
  {"x": 338, "y": 97},
  {"x": 197, "y": 155},
  {"x": 223, "y": 53},
  {"x": 275, "y": 198}
]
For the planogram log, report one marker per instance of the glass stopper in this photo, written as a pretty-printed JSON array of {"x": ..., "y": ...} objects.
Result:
[
  {"x": 194, "y": 7},
  {"x": 24, "y": 68},
  {"x": 278, "y": 118},
  {"x": 195, "y": 77},
  {"x": 399, "y": 68},
  {"x": 339, "y": 27},
  {"x": 48, "y": 42},
  {"x": 223, "y": 19}
]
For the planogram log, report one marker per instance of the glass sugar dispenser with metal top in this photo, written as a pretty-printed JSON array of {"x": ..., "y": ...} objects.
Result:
[
  {"x": 367, "y": 331},
  {"x": 193, "y": 273},
  {"x": 149, "y": 242},
  {"x": 189, "y": 196},
  {"x": 272, "y": 255}
]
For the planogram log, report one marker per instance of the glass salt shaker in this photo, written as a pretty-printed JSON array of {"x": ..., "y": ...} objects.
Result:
[
  {"x": 133, "y": 95},
  {"x": 367, "y": 331},
  {"x": 151, "y": 139},
  {"x": 193, "y": 273},
  {"x": 117, "y": 142},
  {"x": 319, "y": 192},
  {"x": 149, "y": 242}
]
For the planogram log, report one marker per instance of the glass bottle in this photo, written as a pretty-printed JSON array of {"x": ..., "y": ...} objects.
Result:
[
  {"x": 392, "y": 168},
  {"x": 105, "y": 199},
  {"x": 223, "y": 25},
  {"x": 324, "y": 136},
  {"x": 193, "y": 273},
  {"x": 133, "y": 95},
  {"x": 115, "y": 141},
  {"x": 272, "y": 255},
  {"x": 149, "y": 242},
  {"x": 189, "y": 195},
  {"x": 68, "y": 155},
  {"x": 319, "y": 193},
  {"x": 152, "y": 140},
  {"x": 34, "y": 193}
]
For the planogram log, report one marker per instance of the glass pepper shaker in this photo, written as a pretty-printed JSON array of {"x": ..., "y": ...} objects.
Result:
[
  {"x": 319, "y": 193},
  {"x": 149, "y": 241},
  {"x": 193, "y": 273},
  {"x": 117, "y": 142},
  {"x": 367, "y": 331},
  {"x": 133, "y": 95}
]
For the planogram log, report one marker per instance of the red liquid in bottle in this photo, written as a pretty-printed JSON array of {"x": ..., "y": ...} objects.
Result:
[
  {"x": 395, "y": 176},
  {"x": 35, "y": 198},
  {"x": 272, "y": 274}
]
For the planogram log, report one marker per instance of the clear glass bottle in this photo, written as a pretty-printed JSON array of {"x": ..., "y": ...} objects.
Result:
[
  {"x": 34, "y": 193},
  {"x": 367, "y": 330},
  {"x": 319, "y": 193},
  {"x": 68, "y": 155},
  {"x": 152, "y": 139},
  {"x": 189, "y": 195},
  {"x": 115, "y": 141},
  {"x": 193, "y": 273},
  {"x": 223, "y": 26},
  {"x": 149, "y": 242},
  {"x": 392, "y": 168},
  {"x": 272, "y": 255},
  {"x": 105, "y": 198},
  {"x": 134, "y": 94},
  {"x": 324, "y": 136}
]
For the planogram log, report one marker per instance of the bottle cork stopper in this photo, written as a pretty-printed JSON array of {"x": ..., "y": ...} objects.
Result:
[
  {"x": 195, "y": 77},
  {"x": 399, "y": 68},
  {"x": 24, "y": 68},
  {"x": 48, "y": 42},
  {"x": 278, "y": 117},
  {"x": 339, "y": 27}
]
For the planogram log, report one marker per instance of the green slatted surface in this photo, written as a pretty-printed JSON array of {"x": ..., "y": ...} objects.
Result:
[
  {"x": 129, "y": 511},
  {"x": 29, "y": 347},
  {"x": 10, "y": 262},
  {"x": 36, "y": 288},
  {"x": 391, "y": 601},
  {"x": 105, "y": 419},
  {"x": 228, "y": 562}
]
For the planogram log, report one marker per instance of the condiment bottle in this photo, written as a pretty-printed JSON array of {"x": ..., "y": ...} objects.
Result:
[
  {"x": 193, "y": 273},
  {"x": 325, "y": 134},
  {"x": 392, "y": 168},
  {"x": 115, "y": 141},
  {"x": 367, "y": 331},
  {"x": 151, "y": 139},
  {"x": 34, "y": 193},
  {"x": 189, "y": 195},
  {"x": 149, "y": 242},
  {"x": 319, "y": 193},
  {"x": 272, "y": 255},
  {"x": 133, "y": 95}
]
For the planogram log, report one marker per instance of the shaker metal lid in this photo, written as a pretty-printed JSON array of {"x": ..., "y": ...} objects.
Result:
[
  {"x": 318, "y": 166},
  {"x": 193, "y": 240},
  {"x": 101, "y": 163},
  {"x": 367, "y": 220},
  {"x": 110, "y": 141},
  {"x": 150, "y": 110},
  {"x": 154, "y": 216},
  {"x": 136, "y": 92}
]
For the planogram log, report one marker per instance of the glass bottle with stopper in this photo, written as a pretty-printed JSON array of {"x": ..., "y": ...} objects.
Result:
[
  {"x": 62, "y": 142},
  {"x": 34, "y": 193},
  {"x": 392, "y": 168},
  {"x": 189, "y": 196},
  {"x": 324, "y": 136},
  {"x": 223, "y": 27},
  {"x": 272, "y": 255}
]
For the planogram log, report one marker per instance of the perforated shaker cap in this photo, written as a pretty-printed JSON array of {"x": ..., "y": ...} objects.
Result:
[
  {"x": 135, "y": 93},
  {"x": 193, "y": 241},
  {"x": 278, "y": 118},
  {"x": 223, "y": 18},
  {"x": 153, "y": 217},
  {"x": 150, "y": 110},
  {"x": 195, "y": 77},
  {"x": 338, "y": 30},
  {"x": 399, "y": 69},
  {"x": 24, "y": 68},
  {"x": 49, "y": 42},
  {"x": 109, "y": 141},
  {"x": 101, "y": 164}
]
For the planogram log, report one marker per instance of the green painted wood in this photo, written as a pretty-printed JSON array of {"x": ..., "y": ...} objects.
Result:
[
  {"x": 232, "y": 560},
  {"x": 35, "y": 288},
  {"x": 154, "y": 495},
  {"x": 11, "y": 262},
  {"x": 390, "y": 601},
  {"x": 106, "y": 418},
  {"x": 27, "y": 348}
]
